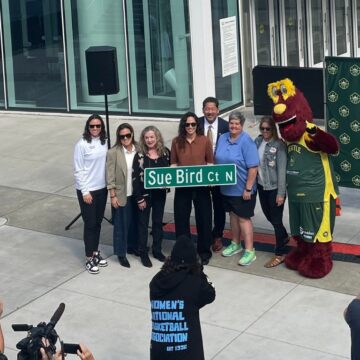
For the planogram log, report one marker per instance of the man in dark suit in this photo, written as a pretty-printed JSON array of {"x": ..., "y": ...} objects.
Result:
[{"x": 213, "y": 126}]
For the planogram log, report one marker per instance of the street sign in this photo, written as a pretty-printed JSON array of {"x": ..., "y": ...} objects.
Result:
[{"x": 184, "y": 176}]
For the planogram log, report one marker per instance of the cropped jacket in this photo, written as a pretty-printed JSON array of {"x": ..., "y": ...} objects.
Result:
[{"x": 273, "y": 165}]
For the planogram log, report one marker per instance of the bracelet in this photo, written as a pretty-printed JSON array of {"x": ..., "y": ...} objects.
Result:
[{"x": 248, "y": 190}]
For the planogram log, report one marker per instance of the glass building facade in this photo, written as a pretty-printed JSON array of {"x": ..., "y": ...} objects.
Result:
[
  {"x": 43, "y": 63},
  {"x": 171, "y": 54}
]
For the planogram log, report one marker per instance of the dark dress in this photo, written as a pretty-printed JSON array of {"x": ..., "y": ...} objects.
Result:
[{"x": 175, "y": 302}]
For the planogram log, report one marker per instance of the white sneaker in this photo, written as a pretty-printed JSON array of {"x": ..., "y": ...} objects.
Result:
[
  {"x": 91, "y": 267},
  {"x": 99, "y": 260}
]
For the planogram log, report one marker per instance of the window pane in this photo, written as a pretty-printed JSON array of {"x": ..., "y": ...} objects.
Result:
[
  {"x": 358, "y": 22},
  {"x": 317, "y": 31},
  {"x": 94, "y": 23},
  {"x": 291, "y": 29},
  {"x": 159, "y": 53},
  {"x": 340, "y": 17},
  {"x": 34, "y": 54},
  {"x": 228, "y": 88},
  {"x": 262, "y": 32},
  {"x": 2, "y": 99}
]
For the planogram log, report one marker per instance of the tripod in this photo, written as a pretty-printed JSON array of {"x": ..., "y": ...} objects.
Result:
[{"x": 73, "y": 221}]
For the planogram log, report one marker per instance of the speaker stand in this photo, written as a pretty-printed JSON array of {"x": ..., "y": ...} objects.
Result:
[{"x": 73, "y": 221}]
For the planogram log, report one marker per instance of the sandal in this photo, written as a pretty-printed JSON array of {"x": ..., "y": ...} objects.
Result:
[{"x": 275, "y": 261}]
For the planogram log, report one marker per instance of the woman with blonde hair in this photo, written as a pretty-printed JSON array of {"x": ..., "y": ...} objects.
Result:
[{"x": 152, "y": 153}]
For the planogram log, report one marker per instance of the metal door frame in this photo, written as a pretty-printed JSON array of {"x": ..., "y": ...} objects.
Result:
[
  {"x": 300, "y": 36},
  {"x": 333, "y": 29}
]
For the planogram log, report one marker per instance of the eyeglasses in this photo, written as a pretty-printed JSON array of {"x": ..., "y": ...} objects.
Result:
[
  {"x": 265, "y": 129},
  {"x": 190, "y": 124},
  {"x": 125, "y": 136},
  {"x": 95, "y": 126}
]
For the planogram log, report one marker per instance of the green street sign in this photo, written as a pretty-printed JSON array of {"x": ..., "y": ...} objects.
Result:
[{"x": 183, "y": 176}]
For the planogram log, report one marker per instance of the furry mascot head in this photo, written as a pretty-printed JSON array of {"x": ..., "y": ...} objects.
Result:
[
  {"x": 310, "y": 182},
  {"x": 291, "y": 109}
]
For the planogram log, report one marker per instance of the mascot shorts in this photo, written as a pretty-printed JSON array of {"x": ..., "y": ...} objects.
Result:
[{"x": 312, "y": 221}]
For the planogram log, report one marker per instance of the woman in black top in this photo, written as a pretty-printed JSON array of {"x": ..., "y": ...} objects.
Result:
[
  {"x": 177, "y": 293},
  {"x": 152, "y": 154}
]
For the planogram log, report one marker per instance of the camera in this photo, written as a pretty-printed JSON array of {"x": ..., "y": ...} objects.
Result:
[{"x": 42, "y": 336}]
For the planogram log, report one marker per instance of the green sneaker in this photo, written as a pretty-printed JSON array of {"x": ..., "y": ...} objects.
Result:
[
  {"x": 232, "y": 249},
  {"x": 248, "y": 257}
]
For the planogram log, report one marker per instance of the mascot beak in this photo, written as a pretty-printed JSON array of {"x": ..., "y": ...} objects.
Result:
[{"x": 279, "y": 109}]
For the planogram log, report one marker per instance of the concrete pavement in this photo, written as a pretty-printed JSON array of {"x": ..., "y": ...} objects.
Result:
[{"x": 258, "y": 312}]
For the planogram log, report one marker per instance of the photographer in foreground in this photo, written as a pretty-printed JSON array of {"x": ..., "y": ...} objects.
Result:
[
  {"x": 40, "y": 342},
  {"x": 84, "y": 354},
  {"x": 177, "y": 293}
]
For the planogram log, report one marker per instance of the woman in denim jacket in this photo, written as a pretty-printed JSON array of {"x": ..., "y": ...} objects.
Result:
[{"x": 272, "y": 183}]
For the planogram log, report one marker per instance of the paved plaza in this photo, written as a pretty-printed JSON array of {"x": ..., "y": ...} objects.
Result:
[{"x": 258, "y": 313}]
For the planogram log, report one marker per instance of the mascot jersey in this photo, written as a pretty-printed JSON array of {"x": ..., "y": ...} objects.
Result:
[{"x": 309, "y": 174}]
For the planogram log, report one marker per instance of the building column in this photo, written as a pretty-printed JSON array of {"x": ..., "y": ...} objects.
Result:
[{"x": 201, "y": 51}]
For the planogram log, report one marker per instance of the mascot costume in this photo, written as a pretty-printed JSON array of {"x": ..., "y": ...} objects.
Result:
[{"x": 311, "y": 185}]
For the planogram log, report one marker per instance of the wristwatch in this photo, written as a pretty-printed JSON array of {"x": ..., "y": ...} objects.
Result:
[{"x": 248, "y": 190}]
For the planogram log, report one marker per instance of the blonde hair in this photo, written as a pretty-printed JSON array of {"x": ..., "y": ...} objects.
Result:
[{"x": 160, "y": 148}]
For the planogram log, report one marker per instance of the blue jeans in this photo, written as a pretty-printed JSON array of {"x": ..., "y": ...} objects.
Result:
[{"x": 124, "y": 219}]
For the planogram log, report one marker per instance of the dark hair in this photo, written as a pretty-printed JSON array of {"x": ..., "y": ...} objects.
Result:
[
  {"x": 271, "y": 122},
  {"x": 122, "y": 127},
  {"x": 181, "y": 138},
  {"x": 86, "y": 134},
  {"x": 170, "y": 267},
  {"x": 211, "y": 99}
]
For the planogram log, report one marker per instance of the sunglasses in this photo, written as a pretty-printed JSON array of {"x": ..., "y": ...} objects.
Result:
[
  {"x": 125, "y": 136},
  {"x": 190, "y": 124},
  {"x": 95, "y": 126},
  {"x": 265, "y": 129}
]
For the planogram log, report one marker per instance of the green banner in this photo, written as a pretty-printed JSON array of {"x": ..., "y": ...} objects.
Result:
[
  {"x": 183, "y": 176},
  {"x": 342, "y": 84}
]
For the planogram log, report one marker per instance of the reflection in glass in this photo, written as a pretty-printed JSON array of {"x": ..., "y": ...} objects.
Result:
[
  {"x": 340, "y": 16},
  {"x": 358, "y": 22},
  {"x": 2, "y": 98},
  {"x": 228, "y": 88},
  {"x": 94, "y": 23},
  {"x": 34, "y": 54},
  {"x": 292, "y": 37},
  {"x": 263, "y": 39},
  {"x": 159, "y": 56},
  {"x": 317, "y": 32}
]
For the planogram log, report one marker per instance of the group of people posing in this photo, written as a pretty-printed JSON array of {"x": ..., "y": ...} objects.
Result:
[{"x": 119, "y": 172}]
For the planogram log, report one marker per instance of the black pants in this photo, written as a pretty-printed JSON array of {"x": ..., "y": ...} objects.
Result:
[
  {"x": 92, "y": 215},
  {"x": 203, "y": 214},
  {"x": 155, "y": 203},
  {"x": 218, "y": 211},
  {"x": 274, "y": 215}
]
